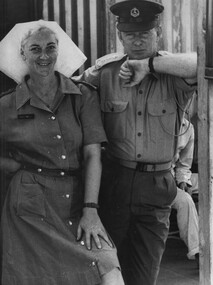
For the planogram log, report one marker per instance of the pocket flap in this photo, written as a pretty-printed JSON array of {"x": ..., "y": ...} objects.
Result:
[
  {"x": 162, "y": 108},
  {"x": 114, "y": 106}
]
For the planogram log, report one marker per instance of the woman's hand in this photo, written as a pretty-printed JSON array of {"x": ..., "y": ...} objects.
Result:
[
  {"x": 92, "y": 227},
  {"x": 8, "y": 165}
]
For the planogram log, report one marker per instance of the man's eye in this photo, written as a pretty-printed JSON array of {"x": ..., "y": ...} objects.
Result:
[{"x": 129, "y": 35}]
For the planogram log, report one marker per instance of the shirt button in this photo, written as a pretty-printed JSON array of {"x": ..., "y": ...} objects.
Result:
[
  {"x": 67, "y": 196},
  {"x": 139, "y": 155},
  {"x": 139, "y": 134},
  {"x": 93, "y": 263},
  {"x": 140, "y": 91},
  {"x": 70, "y": 223},
  {"x": 63, "y": 156},
  {"x": 58, "y": 137},
  {"x": 82, "y": 242},
  {"x": 62, "y": 173},
  {"x": 163, "y": 111},
  {"x": 53, "y": 118},
  {"x": 139, "y": 113},
  {"x": 39, "y": 170}
]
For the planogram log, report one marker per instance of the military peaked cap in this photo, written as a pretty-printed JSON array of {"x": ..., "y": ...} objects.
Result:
[{"x": 137, "y": 15}]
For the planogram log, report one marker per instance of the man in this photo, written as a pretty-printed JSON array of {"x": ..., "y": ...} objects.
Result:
[
  {"x": 187, "y": 217},
  {"x": 142, "y": 98}
]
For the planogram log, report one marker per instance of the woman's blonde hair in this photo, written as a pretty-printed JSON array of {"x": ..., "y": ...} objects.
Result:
[{"x": 32, "y": 32}]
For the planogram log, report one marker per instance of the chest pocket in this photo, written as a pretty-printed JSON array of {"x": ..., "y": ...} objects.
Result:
[
  {"x": 115, "y": 119},
  {"x": 163, "y": 113}
]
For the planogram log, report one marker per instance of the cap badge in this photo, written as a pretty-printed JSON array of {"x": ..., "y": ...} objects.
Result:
[{"x": 135, "y": 12}]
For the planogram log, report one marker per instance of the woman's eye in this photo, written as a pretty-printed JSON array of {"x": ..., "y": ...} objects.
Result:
[
  {"x": 51, "y": 47},
  {"x": 35, "y": 49}
]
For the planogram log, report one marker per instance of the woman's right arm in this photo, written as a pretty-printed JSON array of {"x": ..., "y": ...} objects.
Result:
[{"x": 9, "y": 165}]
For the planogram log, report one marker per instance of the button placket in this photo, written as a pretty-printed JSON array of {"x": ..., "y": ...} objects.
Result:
[
  {"x": 61, "y": 151},
  {"x": 139, "y": 124}
]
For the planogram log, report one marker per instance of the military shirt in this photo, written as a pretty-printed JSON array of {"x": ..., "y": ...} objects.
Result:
[
  {"x": 141, "y": 122},
  {"x": 50, "y": 137}
]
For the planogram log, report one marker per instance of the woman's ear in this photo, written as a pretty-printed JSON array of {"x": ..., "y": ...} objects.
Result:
[{"x": 22, "y": 54}]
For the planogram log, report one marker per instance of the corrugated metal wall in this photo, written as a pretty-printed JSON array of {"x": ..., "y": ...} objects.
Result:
[{"x": 92, "y": 27}]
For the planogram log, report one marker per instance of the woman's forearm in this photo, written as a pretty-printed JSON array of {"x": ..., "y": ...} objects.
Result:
[{"x": 92, "y": 160}]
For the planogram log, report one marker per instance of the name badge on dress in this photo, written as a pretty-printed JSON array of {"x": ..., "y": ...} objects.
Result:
[{"x": 26, "y": 116}]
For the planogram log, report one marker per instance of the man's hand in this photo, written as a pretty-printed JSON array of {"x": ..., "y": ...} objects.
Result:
[
  {"x": 92, "y": 227},
  {"x": 132, "y": 72},
  {"x": 184, "y": 186}
]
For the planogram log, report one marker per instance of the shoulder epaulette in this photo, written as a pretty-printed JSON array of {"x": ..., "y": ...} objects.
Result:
[
  {"x": 7, "y": 92},
  {"x": 112, "y": 57},
  {"x": 163, "y": 52},
  {"x": 85, "y": 83}
]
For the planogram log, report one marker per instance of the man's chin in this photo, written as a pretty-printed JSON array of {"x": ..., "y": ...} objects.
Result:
[{"x": 138, "y": 55}]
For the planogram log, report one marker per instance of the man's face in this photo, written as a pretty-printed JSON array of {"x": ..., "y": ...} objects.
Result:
[{"x": 139, "y": 45}]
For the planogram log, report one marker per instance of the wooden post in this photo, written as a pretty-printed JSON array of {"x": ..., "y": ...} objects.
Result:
[{"x": 205, "y": 155}]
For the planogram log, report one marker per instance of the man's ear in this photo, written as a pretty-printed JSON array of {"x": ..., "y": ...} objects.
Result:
[
  {"x": 159, "y": 31},
  {"x": 120, "y": 36}
]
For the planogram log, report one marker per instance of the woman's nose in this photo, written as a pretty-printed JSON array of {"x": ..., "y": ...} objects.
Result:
[{"x": 44, "y": 55}]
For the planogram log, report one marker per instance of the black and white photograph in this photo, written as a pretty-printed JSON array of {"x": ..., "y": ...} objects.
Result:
[{"x": 106, "y": 142}]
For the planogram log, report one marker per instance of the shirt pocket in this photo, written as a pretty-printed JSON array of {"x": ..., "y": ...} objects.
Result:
[
  {"x": 115, "y": 119},
  {"x": 163, "y": 115},
  {"x": 31, "y": 201}
]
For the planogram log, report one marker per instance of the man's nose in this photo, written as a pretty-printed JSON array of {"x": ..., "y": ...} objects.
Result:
[{"x": 138, "y": 42}]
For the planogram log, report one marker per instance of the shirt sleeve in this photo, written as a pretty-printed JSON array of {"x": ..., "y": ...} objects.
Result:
[
  {"x": 90, "y": 75},
  {"x": 90, "y": 116}
]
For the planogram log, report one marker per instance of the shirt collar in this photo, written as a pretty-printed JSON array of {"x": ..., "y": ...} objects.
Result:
[{"x": 66, "y": 86}]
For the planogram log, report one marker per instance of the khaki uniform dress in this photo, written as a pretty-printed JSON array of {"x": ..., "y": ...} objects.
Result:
[{"x": 44, "y": 200}]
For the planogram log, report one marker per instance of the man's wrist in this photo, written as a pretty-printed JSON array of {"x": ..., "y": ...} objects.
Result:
[{"x": 151, "y": 66}]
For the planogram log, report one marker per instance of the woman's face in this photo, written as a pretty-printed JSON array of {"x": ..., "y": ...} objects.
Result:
[{"x": 40, "y": 53}]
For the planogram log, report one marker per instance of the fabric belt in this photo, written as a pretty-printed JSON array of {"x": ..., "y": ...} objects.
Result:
[
  {"x": 141, "y": 166},
  {"x": 51, "y": 172}
]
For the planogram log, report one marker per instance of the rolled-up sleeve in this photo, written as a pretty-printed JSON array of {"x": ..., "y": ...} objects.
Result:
[{"x": 90, "y": 116}]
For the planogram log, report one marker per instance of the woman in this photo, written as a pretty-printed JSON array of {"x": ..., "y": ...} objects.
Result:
[{"x": 49, "y": 130}]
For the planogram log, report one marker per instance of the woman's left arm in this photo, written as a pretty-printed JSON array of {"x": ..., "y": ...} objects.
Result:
[{"x": 90, "y": 222}]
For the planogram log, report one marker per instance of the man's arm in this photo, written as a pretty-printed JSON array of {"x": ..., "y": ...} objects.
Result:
[
  {"x": 182, "y": 65},
  {"x": 184, "y": 162}
]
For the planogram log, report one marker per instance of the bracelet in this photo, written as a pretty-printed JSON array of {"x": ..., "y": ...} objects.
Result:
[
  {"x": 150, "y": 64},
  {"x": 91, "y": 205}
]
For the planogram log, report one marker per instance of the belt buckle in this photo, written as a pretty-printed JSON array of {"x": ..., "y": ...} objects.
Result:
[{"x": 142, "y": 167}]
